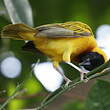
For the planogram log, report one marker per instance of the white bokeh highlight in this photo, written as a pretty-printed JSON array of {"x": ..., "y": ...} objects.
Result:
[
  {"x": 48, "y": 76},
  {"x": 11, "y": 67},
  {"x": 103, "y": 38}
]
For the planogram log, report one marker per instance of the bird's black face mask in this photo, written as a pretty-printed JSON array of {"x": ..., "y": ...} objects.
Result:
[{"x": 91, "y": 60}]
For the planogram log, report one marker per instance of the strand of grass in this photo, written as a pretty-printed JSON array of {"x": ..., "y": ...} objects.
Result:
[
  {"x": 103, "y": 69},
  {"x": 17, "y": 92},
  {"x": 46, "y": 98},
  {"x": 44, "y": 105},
  {"x": 49, "y": 99},
  {"x": 103, "y": 73}
]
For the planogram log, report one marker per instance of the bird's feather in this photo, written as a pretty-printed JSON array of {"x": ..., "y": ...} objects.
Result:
[{"x": 61, "y": 30}]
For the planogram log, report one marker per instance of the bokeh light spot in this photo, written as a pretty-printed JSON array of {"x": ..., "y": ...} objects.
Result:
[
  {"x": 10, "y": 67},
  {"x": 103, "y": 38},
  {"x": 48, "y": 76}
]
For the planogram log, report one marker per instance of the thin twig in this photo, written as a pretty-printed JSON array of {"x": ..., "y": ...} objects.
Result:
[
  {"x": 17, "y": 92},
  {"x": 100, "y": 71},
  {"x": 26, "y": 96}
]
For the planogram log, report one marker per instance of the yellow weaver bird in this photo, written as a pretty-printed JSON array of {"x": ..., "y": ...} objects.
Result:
[{"x": 62, "y": 42}]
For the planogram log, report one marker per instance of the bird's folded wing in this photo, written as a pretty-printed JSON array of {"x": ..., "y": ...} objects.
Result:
[{"x": 56, "y": 30}]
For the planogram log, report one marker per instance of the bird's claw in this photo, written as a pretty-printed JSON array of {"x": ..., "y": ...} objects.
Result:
[
  {"x": 82, "y": 74},
  {"x": 68, "y": 81}
]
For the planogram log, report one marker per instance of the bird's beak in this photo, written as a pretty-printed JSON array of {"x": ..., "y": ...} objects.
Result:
[{"x": 85, "y": 63}]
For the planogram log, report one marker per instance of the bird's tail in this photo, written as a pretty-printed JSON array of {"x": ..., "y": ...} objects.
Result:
[{"x": 18, "y": 32}]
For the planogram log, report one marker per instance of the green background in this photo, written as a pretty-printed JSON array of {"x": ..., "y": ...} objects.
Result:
[{"x": 92, "y": 12}]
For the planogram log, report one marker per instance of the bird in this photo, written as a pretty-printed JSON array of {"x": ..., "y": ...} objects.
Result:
[{"x": 61, "y": 42}]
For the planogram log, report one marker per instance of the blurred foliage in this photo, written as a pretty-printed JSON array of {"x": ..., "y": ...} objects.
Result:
[
  {"x": 99, "y": 97},
  {"x": 92, "y": 12},
  {"x": 18, "y": 12},
  {"x": 74, "y": 105}
]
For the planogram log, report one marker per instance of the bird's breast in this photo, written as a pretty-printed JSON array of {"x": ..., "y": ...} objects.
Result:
[{"x": 55, "y": 47}]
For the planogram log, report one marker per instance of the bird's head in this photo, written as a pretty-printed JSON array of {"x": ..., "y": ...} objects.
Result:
[{"x": 93, "y": 59}]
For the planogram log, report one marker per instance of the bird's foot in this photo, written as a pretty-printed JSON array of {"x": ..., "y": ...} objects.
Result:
[
  {"x": 68, "y": 81},
  {"x": 82, "y": 75}
]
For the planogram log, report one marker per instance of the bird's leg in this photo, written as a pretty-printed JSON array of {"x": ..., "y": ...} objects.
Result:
[
  {"x": 82, "y": 71},
  {"x": 67, "y": 80},
  {"x": 66, "y": 59}
]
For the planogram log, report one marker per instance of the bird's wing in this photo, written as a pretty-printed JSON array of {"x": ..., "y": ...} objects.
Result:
[{"x": 60, "y": 30}]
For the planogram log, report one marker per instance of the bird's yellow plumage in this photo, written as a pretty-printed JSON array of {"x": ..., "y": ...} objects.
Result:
[
  {"x": 60, "y": 41},
  {"x": 62, "y": 49}
]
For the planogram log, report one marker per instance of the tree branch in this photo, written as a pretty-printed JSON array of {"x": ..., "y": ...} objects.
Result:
[{"x": 98, "y": 72}]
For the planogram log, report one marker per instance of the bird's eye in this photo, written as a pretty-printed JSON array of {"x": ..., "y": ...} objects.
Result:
[{"x": 91, "y": 60}]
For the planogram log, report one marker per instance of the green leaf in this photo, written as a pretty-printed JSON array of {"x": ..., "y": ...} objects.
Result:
[
  {"x": 19, "y": 11},
  {"x": 99, "y": 96}
]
